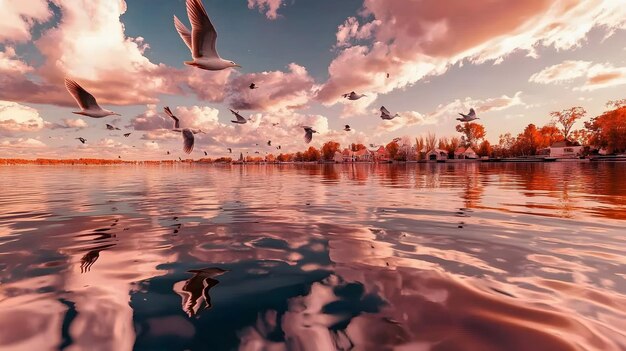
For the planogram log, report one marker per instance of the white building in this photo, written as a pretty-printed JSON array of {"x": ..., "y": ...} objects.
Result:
[
  {"x": 565, "y": 149},
  {"x": 462, "y": 153},
  {"x": 437, "y": 155}
]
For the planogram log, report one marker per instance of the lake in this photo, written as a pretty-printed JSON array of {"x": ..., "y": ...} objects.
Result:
[{"x": 314, "y": 257}]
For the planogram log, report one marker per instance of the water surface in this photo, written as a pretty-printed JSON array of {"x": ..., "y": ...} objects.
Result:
[{"x": 313, "y": 257}]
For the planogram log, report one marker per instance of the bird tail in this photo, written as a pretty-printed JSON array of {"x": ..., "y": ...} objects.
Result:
[{"x": 191, "y": 63}]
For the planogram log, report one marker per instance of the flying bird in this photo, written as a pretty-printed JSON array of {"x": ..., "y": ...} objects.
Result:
[
  {"x": 127, "y": 135},
  {"x": 230, "y": 151},
  {"x": 188, "y": 138},
  {"x": 269, "y": 143},
  {"x": 111, "y": 127},
  {"x": 386, "y": 115},
  {"x": 82, "y": 140},
  {"x": 201, "y": 40},
  {"x": 278, "y": 147},
  {"x": 240, "y": 119},
  {"x": 168, "y": 153},
  {"x": 88, "y": 105},
  {"x": 256, "y": 152},
  {"x": 347, "y": 128},
  {"x": 253, "y": 86},
  {"x": 387, "y": 75},
  {"x": 468, "y": 117},
  {"x": 353, "y": 96},
  {"x": 308, "y": 134},
  {"x": 275, "y": 124},
  {"x": 206, "y": 154}
]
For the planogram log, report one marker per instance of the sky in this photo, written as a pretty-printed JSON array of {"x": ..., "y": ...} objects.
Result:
[{"x": 514, "y": 62}]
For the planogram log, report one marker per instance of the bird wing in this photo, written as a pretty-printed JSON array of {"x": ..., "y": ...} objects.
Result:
[
  {"x": 203, "y": 33},
  {"x": 188, "y": 140},
  {"x": 239, "y": 117},
  {"x": 308, "y": 135},
  {"x": 472, "y": 113},
  {"x": 183, "y": 32},
  {"x": 110, "y": 127},
  {"x": 85, "y": 100},
  {"x": 384, "y": 111},
  {"x": 169, "y": 113}
]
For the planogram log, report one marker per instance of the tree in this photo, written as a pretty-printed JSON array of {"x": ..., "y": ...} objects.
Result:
[
  {"x": 356, "y": 147},
  {"x": 472, "y": 133},
  {"x": 609, "y": 130},
  {"x": 431, "y": 142},
  {"x": 392, "y": 149},
  {"x": 312, "y": 154},
  {"x": 528, "y": 141},
  {"x": 505, "y": 146},
  {"x": 420, "y": 143},
  {"x": 551, "y": 134},
  {"x": 484, "y": 149},
  {"x": 567, "y": 118},
  {"x": 329, "y": 149}
]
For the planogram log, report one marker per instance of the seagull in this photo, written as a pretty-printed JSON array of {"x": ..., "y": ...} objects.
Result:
[
  {"x": 110, "y": 127},
  {"x": 201, "y": 40},
  {"x": 256, "y": 152},
  {"x": 278, "y": 147},
  {"x": 275, "y": 124},
  {"x": 206, "y": 154},
  {"x": 230, "y": 151},
  {"x": 387, "y": 75},
  {"x": 308, "y": 134},
  {"x": 353, "y": 96},
  {"x": 386, "y": 115},
  {"x": 119, "y": 156},
  {"x": 180, "y": 159},
  {"x": 468, "y": 117},
  {"x": 240, "y": 119},
  {"x": 269, "y": 143},
  {"x": 88, "y": 105},
  {"x": 347, "y": 128},
  {"x": 127, "y": 135},
  {"x": 188, "y": 138},
  {"x": 82, "y": 140},
  {"x": 168, "y": 153},
  {"x": 253, "y": 86}
]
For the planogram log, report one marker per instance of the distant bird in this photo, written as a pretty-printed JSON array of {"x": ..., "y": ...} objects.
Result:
[
  {"x": 180, "y": 159},
  {"x": 230, "y": 151},
  {"x": 206, "y": 154},
  {"x": 253, "y": 86},
  {"x": 396, "y": 140},
  {"x": 353, "y": 96},
  {"x": 386, "y": 115},
  {"x": 168, "y": 153},
  {"x": 119, "y": 156},
  {"x": 240, "y": 119},
  {"x": 269, "y": 143},
  {"x": 82, "y": 140},
  {"x": 278, "y": 147},
  {"x": 88, "y": 105},
  {"x": 275, "y": 124},
  {"x": 256, "y": 152},
  {"x": 127, "y": 135},
  {"x": 387, "y": 75},
  {"x": 111, "y": 127},
  {"x": 188, "y": 138},
  {"x": 202, "y": 38},
  {"x": 347, "y": 128},
  {"x": 468, "y": 117},
  {"x": 308, "y": 134}
]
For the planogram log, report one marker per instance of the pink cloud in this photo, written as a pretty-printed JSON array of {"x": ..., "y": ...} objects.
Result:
[
  {"x": 270, "y": 7},
  {"x": 68, "y": 123},
  {"x": 276, "y": 90},
  {"x": 597, "y": 76},
  {"x": 562, "y": 72},
  {"x": 23, "y": 143},
  {"x": 414, "y": 39},
  {"x": 15, "y": 117},
  {"x": 18, "y": 17}
]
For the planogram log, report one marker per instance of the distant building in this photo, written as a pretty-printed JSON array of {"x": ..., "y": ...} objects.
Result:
[
  {"x": 381, "y": 155},
  {"x": 565, "y": 149},
  {"x": 338, "y": 158},
  {"x": 463, "y": 154},
  {"x": 437, "y": 155}
]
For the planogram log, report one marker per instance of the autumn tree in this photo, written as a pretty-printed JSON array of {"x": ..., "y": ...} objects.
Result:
[
  {"x": 431, "y": 142},
  {"x": 420, "y": 144},
  {"x": 567, "y": 118},
  {"x": 609, "y": 130},
  {"x": 312, "y": 154},
  {"x": 529, "y": 141},
  {"x": 484, "y": 149},
  {"x": 392, "y": 149},
  {"x": 357, "y": 147},
  {"x": 550, "y": 134},
  {"x": 328, "y": 150},
  {"x": 472, "y": 133}
]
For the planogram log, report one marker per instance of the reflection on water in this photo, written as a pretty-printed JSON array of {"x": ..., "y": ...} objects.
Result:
[{"x": 315, "y": 257}]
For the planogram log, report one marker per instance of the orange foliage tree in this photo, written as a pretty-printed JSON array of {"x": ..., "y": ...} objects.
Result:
[
  {"x": 357, "y": 147},
  {"x": 392, "y": 149},
  {"x": 329, "y": 149},
  {"x": 472, "y": 133},
  {"x": 567, "y": 118},
  {"x": 609, "y": 130},
  {"x": 311, "y": 154}
]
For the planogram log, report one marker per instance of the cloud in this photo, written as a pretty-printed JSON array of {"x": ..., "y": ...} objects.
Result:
[
  {"x": 18, "y": 17},
  {"x": 23, "y": 143},
  {"x": 351, "y": 30},
  {"x": 450, "y": 110},
  {"x": 276, "y": 90},
  {"x": 270, "y": 7},
  {"x": 69, "y": 123},
  {"x": 19, "y": 118},
  {"x": 597, "y": 76},
  {"x": 10, "y": 63},
  {"x": 415, "y": 39}
]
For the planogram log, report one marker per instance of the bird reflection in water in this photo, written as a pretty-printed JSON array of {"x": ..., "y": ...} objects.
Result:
[
  {"x": 195, "y": 290},
  {"x": 88, "y": 259}
]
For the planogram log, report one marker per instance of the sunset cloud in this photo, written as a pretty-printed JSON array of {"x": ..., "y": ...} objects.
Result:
[
  {"x": 68, "y": 123},
  {"x": 270, "y": 7},
  {"x": 23, "y": 143},
  {"x": 413, "y": 40},
  {"x": 597, "y": 76},
  {"x": 15, "y": 117},
  {"x": 18, "y": 17}
]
